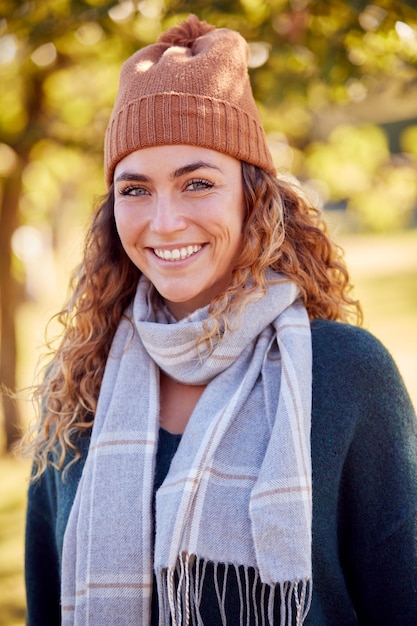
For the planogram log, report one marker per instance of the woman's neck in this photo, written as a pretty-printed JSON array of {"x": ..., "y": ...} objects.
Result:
[{"x": 177, "y": 402}]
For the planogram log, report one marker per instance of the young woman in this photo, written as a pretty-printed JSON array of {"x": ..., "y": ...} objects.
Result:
[{"x": 217, "y": 445}]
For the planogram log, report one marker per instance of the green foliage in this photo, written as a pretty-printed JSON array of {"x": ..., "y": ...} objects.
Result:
[
  {"x": 409, "y": 140},
  {"x": 60, "y": 59},
  {"x": 355, "y": 165},
  {"x": 348, "y": 159},
  {"x": 388, "y": 203}
]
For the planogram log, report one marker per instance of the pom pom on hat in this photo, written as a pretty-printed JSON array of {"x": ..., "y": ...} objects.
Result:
[
  {"x": 186, "y": 33},
  {"x": 191, "y": 87}
]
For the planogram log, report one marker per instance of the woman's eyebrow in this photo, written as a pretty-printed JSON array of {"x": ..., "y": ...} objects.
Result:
[
  {"x": 133, "y": 177},
  {"x": 191, "y": 167}
]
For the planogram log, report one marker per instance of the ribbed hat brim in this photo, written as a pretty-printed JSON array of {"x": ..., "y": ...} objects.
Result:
[{"x": 178, "y": 118}]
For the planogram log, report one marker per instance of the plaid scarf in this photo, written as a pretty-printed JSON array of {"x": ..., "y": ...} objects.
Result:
[{"x": 238, "y": 491}]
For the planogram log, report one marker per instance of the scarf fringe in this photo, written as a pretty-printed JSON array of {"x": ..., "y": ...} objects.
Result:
[{"x": 180, "y": 592}]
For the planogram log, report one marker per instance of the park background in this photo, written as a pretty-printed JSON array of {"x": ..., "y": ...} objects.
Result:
[{"x": 336, "y": 83}]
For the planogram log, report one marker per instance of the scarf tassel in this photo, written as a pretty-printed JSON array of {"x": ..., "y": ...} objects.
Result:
[{"x": 180, "y": 591}]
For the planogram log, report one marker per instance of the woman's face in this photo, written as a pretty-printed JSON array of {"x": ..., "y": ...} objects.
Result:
[{"x": 179, "y": 212}]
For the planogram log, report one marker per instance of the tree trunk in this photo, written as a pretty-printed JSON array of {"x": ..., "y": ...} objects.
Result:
[{"x": 8, "y": 306}]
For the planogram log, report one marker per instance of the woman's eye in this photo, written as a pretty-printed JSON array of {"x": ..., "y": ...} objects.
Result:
[
  {"x": 133, "y": 190},
  {"x": 199, "y": 184}
]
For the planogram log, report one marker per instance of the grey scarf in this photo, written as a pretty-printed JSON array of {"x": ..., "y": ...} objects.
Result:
[{"x": 238, "y": 491}]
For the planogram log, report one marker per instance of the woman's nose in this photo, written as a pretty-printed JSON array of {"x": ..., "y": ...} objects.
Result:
[{"x": 167, "y": 216}]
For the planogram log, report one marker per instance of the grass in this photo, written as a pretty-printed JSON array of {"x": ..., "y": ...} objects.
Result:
[
  {"x": 13, "y": 483},
  {"x": 384, "y": 272}
]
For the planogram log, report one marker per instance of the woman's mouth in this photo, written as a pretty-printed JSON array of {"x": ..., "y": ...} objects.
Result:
[{"x": 177, "y": 254}]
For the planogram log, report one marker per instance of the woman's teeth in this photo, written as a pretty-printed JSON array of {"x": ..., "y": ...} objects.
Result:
[{"x": 177, "y": 253}]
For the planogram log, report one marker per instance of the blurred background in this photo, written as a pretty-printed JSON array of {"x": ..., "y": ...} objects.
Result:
[{"x": 336, "y": 84}]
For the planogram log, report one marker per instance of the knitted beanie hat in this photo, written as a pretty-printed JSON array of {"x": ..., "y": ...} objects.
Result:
[{"x": 190, "y": 87}]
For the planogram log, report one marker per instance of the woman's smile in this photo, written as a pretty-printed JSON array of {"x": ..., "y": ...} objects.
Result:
[
  {"x": 177, "y": 254},
  {"x": 179, "y": 212}
]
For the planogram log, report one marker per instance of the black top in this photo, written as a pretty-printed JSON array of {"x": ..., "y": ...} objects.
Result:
[{"x": 167, "y": 447}]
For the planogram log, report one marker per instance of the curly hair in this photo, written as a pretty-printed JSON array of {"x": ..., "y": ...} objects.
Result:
[{"x": 281, "y": 230}]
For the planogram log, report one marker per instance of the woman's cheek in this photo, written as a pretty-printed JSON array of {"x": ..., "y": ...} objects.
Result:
[{"x": 124, "y": 224}]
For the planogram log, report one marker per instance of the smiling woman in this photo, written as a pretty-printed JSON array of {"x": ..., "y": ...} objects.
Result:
[{"x": 213, "y": 437}]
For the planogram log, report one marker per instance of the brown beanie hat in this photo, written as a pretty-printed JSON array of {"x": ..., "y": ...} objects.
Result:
[{"x": 191, "y": 87}]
